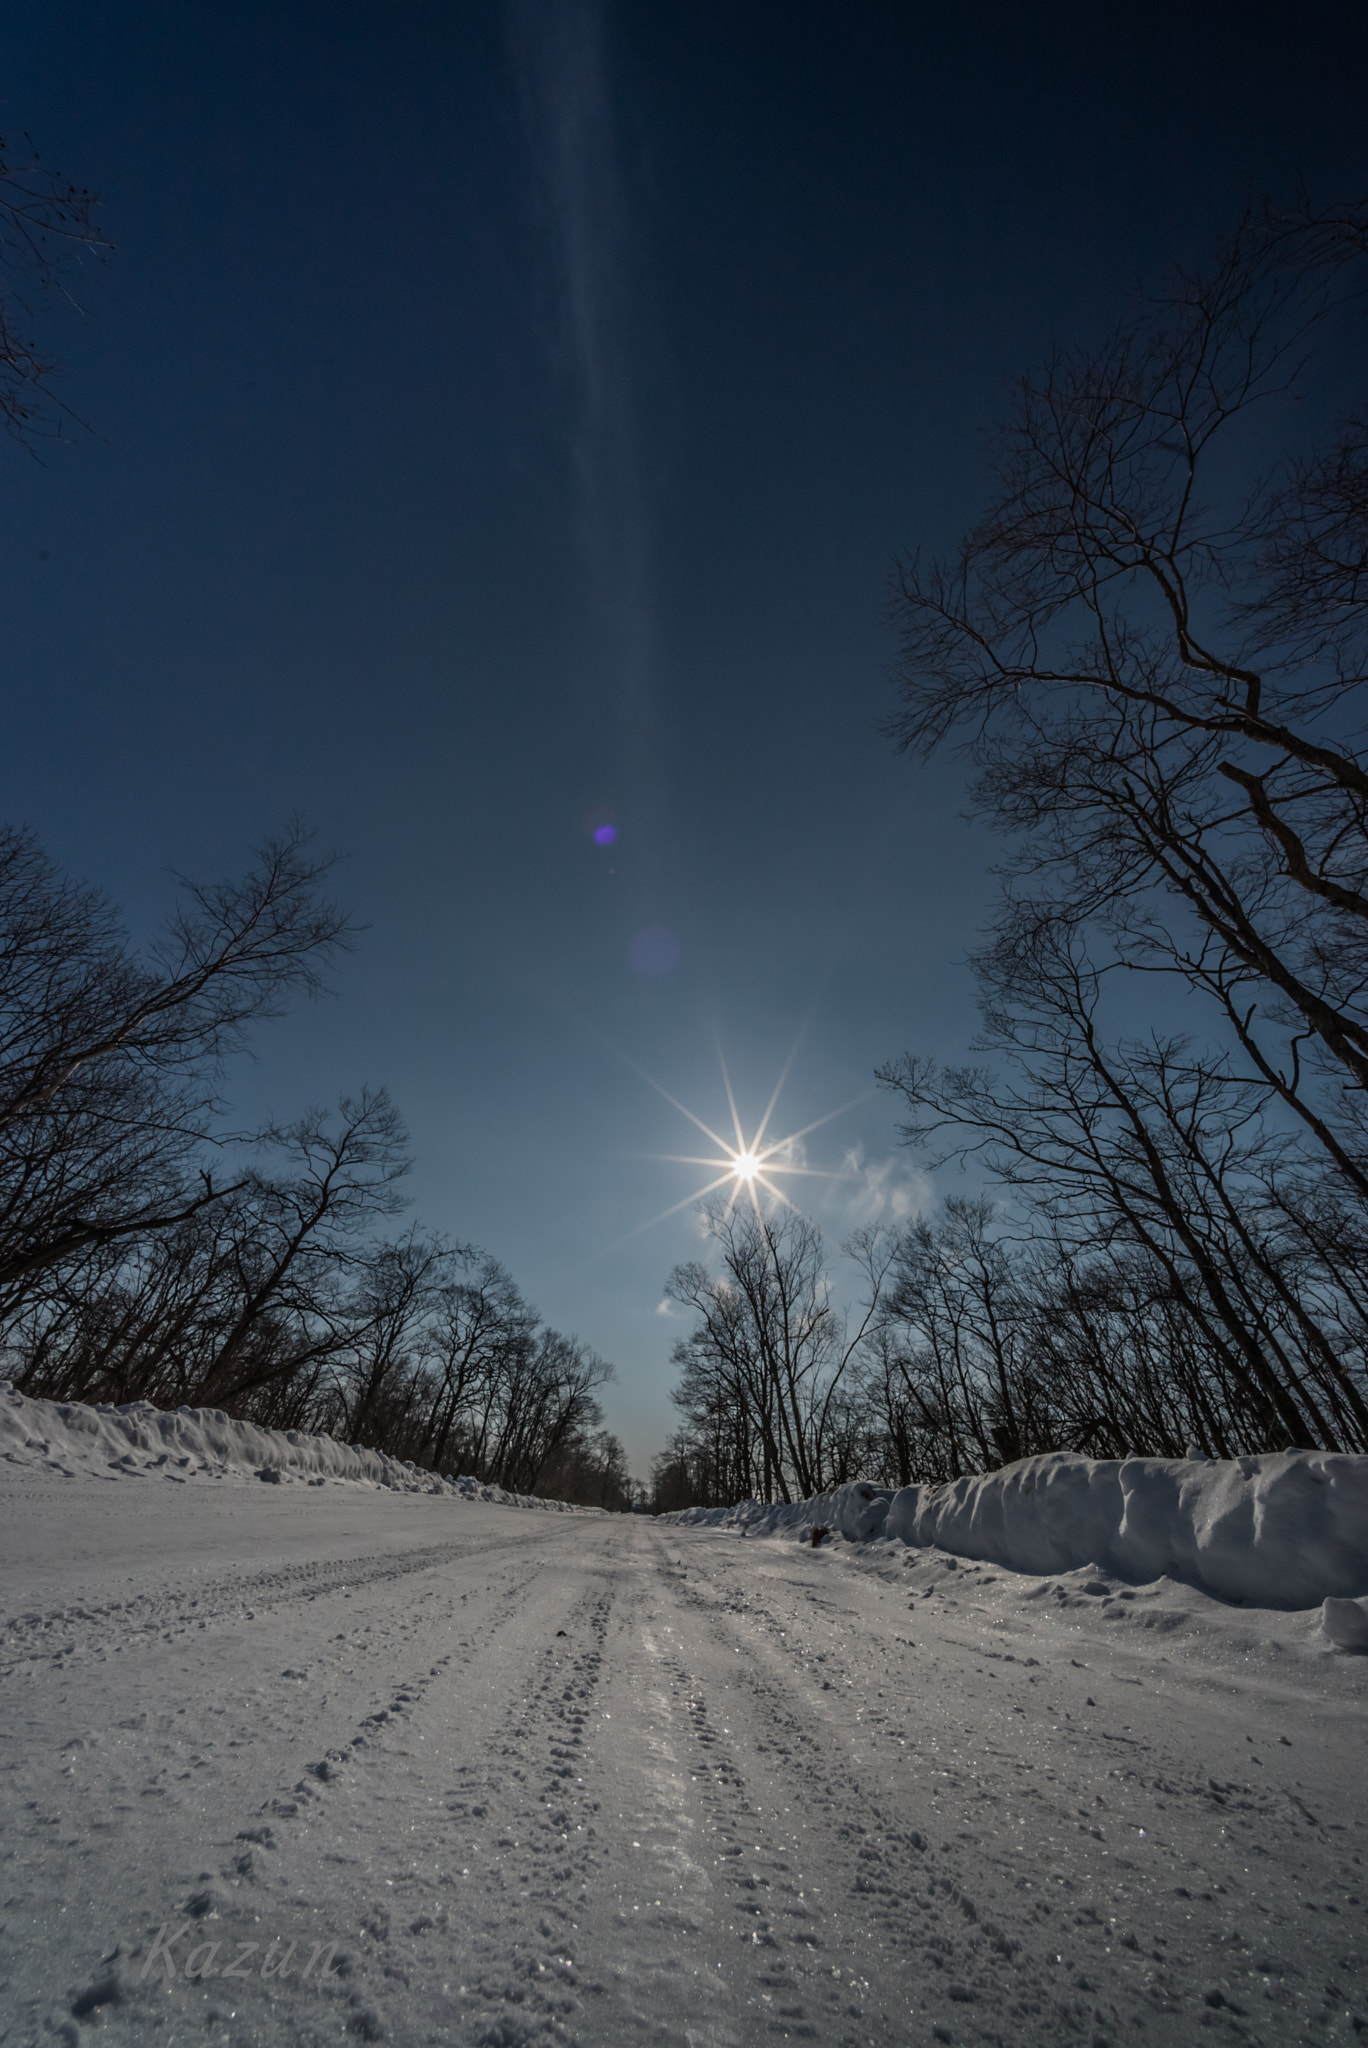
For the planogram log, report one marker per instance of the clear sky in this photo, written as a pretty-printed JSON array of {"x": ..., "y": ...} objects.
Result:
[{"x": 503, "y": 422}]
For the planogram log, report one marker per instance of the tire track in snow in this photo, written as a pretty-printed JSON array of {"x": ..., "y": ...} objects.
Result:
[
  {"x": 217, "y": 1857},
  {"x": 730, "y": 1778},
  {"x": 1004, "y": 1958},
  {"x": 98, "y": 1629}
]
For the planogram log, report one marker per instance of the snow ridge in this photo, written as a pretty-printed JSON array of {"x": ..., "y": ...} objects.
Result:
[
  {"x": 69, "y": 1439},
  {"x": 1285, "y": 1529}
]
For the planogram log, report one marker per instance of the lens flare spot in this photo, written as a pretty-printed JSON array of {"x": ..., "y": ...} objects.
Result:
[{"x": 605, "y": 835}]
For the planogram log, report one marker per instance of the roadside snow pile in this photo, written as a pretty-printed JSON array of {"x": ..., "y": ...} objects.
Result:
[
  {"x": 856, "y": 1512},
  {"x": 70, "y": 1439},
  {"x": 1287, "y": 1529}
]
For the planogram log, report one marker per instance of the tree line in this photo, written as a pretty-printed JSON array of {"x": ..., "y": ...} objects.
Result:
[
  {"x": 148, "y": 1252},
  {"x": 1151, "y": 650}
]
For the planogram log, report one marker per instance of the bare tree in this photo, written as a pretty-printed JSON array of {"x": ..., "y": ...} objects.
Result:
[
  {"x": 110, "y": 1061},
  {"x": 546, "y": 1403},
  {"x": 957, "y": 1294},
  {"x": 763, "y": 1369},
  {"x": 1150, "y": 1145},
  {"x": 46, "y": 225},
  {"x": 247, "y": 1303},
  {"x": 480, "y": 1317},
  {"x": 1154, "y": 650},
  {"x": 303, "y": 1228}
]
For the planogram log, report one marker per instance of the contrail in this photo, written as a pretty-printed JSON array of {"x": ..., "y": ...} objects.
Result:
[{"x": 561, "y": 58}]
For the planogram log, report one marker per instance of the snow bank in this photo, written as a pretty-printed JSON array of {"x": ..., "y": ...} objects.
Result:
[
  {"x": 70, "y": 1439},
  {"x": 856, "y": 1512},
  {"x": 1287, "y": 1529}
]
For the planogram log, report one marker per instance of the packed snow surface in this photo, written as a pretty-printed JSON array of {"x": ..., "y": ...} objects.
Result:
[
  {"x": 1289, "y": 1529},
  {"x": 291, "y": 1765}
]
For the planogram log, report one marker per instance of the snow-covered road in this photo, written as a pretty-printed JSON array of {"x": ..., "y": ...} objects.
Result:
[{"x": 597, "y": 1780}]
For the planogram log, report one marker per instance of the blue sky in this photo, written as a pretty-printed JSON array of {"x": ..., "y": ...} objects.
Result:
[{"x": 503, "y": 422}]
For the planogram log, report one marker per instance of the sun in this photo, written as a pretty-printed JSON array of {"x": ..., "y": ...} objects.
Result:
[{"x": 746, "y": 1166}]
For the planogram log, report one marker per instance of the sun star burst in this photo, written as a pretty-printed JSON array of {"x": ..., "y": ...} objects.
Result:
[{"x": 744, "y": 1166}]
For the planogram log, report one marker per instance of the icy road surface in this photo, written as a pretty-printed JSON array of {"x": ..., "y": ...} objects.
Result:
[{"x": 548, "y": 1778}]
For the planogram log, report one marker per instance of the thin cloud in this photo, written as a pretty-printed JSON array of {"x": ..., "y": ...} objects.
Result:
[{"x": 885, "y": 1190}]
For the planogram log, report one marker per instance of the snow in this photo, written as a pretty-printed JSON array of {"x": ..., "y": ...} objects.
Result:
[
  {"x": 1282, "y": 1530},
  {"x": 1346, "y": 1623},
  {"x": 1289, "y": 1529},
  {"x": 137, "y": 1439},
  {"x": 286, "y": 1764},
  {"x": 858, "y": 1512}
]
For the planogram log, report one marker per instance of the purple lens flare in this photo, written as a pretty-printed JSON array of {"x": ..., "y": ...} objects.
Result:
[{"x": 605, "y": 835}]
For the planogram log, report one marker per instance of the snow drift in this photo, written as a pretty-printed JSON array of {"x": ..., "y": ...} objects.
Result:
[
  {"x": 1286, "y": 1529},
  {"x": 68, "y": 1438}
]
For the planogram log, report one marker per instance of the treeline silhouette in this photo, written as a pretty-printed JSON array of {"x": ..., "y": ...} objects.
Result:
[
  {"x": 974, "y": 1346},
  {"x": 147, "y": 1253},
  {"x": 1153, "y": 648}
]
